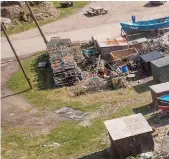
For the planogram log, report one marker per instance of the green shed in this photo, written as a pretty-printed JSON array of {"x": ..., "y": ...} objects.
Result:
[{"x": 160, "y": 69}]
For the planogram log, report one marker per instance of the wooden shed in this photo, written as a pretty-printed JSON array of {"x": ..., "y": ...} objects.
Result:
[
  {"x": 159, "y": 90},
  {"x": 105, "y": 44},
  {"x": 160, "y": 69},
  {"x": 129, "y": 135},
  {"x": 147, "y": 58}
]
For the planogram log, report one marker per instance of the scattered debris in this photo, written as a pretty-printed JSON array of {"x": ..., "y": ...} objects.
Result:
[
  {"x": 86, "y": 123},
  {"x": 165, "y": 145},
  {"x": 12, "y": 114},
  {"x": 55, "y": 145},
  {"x": 71, "y": 113},
  {"x": 147, "y": 155}
]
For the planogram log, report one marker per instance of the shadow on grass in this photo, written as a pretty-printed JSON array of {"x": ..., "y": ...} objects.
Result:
[
  {"x": 159, "y": 119},
  {"x": 44, "y": 76},
  {"x": 104, "y": 154},
  {"x": 145, "y": 110},
  {"x": 15, "y": 94},
  {"x": 144, "y": 87}
]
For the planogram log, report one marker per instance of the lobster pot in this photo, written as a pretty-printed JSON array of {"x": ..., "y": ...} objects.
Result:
[
  {"x": 160, "y": 69},
  {"x": 159, "y": 90},
  {"x": 129, "y": 136}
]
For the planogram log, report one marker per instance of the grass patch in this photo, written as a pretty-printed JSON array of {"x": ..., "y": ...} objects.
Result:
[
  {"x": 43, "y": 95},
  {"x": 63, "y": 12},
  {"x": 76, "y": 141}
]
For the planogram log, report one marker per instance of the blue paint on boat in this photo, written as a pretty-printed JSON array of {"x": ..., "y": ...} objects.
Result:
[
  {"x": 165, "y": 98},
  {"x": 148, "y": 25}
]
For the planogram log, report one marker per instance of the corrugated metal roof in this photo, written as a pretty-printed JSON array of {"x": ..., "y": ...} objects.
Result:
[
  {"x": 161, "y": 62},
  {"x": 127, "y": 126},
  {"x": 151, "y": 56},
  {"x": 162, "y": 87}
]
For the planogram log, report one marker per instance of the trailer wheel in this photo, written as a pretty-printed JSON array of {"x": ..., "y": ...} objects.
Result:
[{"x": 161, "y": 32}]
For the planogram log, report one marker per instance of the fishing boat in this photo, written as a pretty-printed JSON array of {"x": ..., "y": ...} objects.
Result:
[
  {"x": 149, "y": 25},
  {"x": 163, "y": 102}
]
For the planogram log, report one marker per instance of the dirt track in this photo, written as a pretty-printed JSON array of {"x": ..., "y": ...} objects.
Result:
[
  {"x": 16, "y": 112},
  {"x": 82, "y": 27}
]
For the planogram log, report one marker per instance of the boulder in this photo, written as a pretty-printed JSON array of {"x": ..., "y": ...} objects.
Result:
[{"x": 6, "y": 21}]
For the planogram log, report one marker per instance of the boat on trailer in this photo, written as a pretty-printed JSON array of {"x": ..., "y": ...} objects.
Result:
[
  {"x": 163, "y": 102},
  {"x": 149, "y": 25}
]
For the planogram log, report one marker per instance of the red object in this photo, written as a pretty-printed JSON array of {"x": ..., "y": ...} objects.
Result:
[{"x": 164, "y": 108}]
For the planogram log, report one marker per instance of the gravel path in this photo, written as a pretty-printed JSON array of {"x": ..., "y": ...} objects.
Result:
[{"x": 81, "y": 27}]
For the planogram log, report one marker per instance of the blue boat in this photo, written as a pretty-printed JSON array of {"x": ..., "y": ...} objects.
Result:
[{"x": 149, "y": 25}]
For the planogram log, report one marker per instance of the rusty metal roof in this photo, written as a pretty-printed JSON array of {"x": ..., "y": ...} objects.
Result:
[{"x": 113, "y": 41}]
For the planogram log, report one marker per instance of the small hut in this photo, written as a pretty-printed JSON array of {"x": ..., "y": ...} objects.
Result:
[
  {"x": 105, "y": 44},
  {"x": 130, "y": 135},
  {"x": 160, "y": 69},
  {"x": 147, "y": 58},
  {"x": 159, "y": 90}
]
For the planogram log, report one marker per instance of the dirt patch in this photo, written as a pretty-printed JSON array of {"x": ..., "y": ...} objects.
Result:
[{"x": 16, "y": 112}]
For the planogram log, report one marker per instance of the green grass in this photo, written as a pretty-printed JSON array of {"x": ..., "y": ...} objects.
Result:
[
  {"x": 63, "y": 12},
  {"x": 76, "y": 141}
]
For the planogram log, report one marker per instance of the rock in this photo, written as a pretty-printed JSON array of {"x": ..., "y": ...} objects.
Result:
[
  {"x": 39, "y": 16},
  {"x": 165, "y": 145},
  {"x": 12, "y": 12},
  {"x": 12, "y": 114},
  {"x": 6, "y": 21},
  {"x": 146, "y": 155},
  {"x": 15, "y": 22},
  {"x": 71, "y": 113}
]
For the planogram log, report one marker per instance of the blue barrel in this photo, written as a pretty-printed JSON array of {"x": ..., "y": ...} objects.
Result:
[
  {"x": 133, "y": 17},
  {"x": 124, "y": 69}
]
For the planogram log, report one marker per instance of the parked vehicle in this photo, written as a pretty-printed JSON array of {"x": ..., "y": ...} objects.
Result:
[
  {"x": 65, "y": 4},
  {"x": 149, "y": 25}
]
